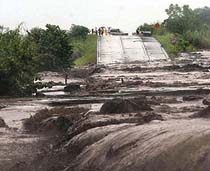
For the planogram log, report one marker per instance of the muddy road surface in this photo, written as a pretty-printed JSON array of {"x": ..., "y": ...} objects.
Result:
[
  {"x": 177, "y": 90},
  {"x": 141, "y": 116}
]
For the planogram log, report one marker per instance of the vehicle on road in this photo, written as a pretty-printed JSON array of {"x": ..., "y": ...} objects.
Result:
[{"x": 117, "y": 32}]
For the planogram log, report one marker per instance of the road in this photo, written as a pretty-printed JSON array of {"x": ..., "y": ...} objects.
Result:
[{"x": 129, "y": 49}]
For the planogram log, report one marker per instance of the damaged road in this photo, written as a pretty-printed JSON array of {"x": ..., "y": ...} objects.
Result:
[{"x": 139, "y": 116}]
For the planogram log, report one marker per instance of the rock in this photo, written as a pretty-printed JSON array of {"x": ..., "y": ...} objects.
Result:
[
  {"x": 119, "y": 106},
  {"x": 2, "y": 123},
  {"x": 72, "y": 87}
]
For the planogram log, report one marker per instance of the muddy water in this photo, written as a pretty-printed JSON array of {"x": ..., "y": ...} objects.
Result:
[
  {"x": 18, "y": 109},
  {"x": 16, "y": 146},
  {"x": 176, "y": 143}
]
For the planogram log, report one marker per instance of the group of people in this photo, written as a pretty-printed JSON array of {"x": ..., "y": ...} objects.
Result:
[{"x": 102, "y": 31}]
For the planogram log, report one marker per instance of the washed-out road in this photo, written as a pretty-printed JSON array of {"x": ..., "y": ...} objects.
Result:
[{"x": 128, "y": 67}]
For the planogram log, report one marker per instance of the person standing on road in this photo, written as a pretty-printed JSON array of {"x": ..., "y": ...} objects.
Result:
[
  {"x": 102, "y": 31},
  {"x": 99, "y": 31},
  {"x": 106, "y": 32},
  {"x": 96, "y": 31},
  {"x": 137, "y": 32}
]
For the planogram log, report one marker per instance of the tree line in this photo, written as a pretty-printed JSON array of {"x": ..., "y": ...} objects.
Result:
[
  {"x": 25, "y": 53},
  {"x": 188, "y": 29}
]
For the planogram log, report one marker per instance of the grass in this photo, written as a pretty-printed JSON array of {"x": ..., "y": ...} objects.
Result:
[
  {"x": 88, "y": 48},
  {"x": 165, "y": 41},
  {"x": 181, "y": 45}
]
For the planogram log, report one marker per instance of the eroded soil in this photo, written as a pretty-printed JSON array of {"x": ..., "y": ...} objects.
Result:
[{"x": 173, "y": 135}]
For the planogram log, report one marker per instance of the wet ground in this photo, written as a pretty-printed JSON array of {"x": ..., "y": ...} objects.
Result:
[{"x": 175, "y": 89}]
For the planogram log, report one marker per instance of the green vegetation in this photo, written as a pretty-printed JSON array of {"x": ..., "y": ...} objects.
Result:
[
  {"x": 174, "y": 44},
  {"x": 17, "y": 64},
  {"x": 88, "y": 49},
  {"x": 79, "y": 32},
  {"x": 184, "y": 30},
  {"x": 53, "y": 48},
  {"x": 25, "y": 53}
]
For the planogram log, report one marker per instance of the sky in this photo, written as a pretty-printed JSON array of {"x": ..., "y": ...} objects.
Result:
[{"x": 124, "y": 14}]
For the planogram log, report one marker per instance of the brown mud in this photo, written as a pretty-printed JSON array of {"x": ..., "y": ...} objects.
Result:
[{"x": 159, "y": 122}]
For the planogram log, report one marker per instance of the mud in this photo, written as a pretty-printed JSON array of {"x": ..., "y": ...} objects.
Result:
[
  {"x": 85, "y": 72},
  {"x": 172, "y": 145},
  {"x": 91, "y": 131},
  {"x": 205, "y": 113},
  {"x": 2, "y": 123},
  {"x": 53, "y": 120},
  {"x": 118, "y": 106}
]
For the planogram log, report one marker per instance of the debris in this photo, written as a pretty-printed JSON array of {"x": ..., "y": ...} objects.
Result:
[{"x": 73, "y": 87}]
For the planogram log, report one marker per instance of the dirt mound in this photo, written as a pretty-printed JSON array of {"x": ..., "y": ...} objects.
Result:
[
  {"x": 55, "y": 124},
  {"x": 59, "y": 117},
  {"x": 181, "y": 145},
  {"x": 132, "y": 69},
  {"x": 2, "y": 123},
  {"x": 206, "y": 102},
  {"x": 91, "y": 136},
  {"x": 205, "y": 113},
  {"x": 192, "y": 98},
  {"x": 84, "y": 72},
  {"x": 186, "y": 68},
  {"x": 2, "y": 106},
  {"x": 93, "y": 84},
  {"x": 149, "y": 116},
  {"x": 118, "y": 106},
  {"x": 73, "y": 87}
]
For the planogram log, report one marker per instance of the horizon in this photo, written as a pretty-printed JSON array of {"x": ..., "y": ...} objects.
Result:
[{"x": 90, "y": 13}]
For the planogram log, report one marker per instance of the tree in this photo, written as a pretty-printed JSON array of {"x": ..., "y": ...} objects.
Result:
[
  {"x": 17, "y": 68},
  {"x": 180, "y": 19},
  {"x": 54, "y": 50},
  {"x": 203, "y": 15},
  {"x": 80, "y": 32},
  {"x": 146, "y": 27}
]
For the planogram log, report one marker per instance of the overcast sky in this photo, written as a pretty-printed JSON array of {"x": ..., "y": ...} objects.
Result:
[{"x": 124, "y": 14}]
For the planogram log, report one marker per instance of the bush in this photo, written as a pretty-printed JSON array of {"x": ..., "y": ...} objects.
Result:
[
  {"x": 17, "y": 66},
  {"x": 88, "y": 49},
  {"x": 79, "y": 32},
  {"x": 53, "y": 48},
  {"x": 200, "y": 39}
]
